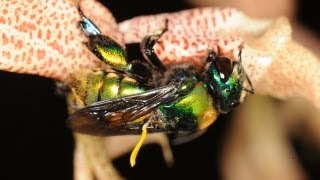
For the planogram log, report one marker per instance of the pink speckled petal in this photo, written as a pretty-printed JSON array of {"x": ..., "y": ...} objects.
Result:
[
  {"x": 275, "y": 63},
  {"x": 193, "y": 32},
  {"x": 44, "y": 38}
]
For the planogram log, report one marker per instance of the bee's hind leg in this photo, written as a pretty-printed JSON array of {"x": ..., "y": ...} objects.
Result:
[{"x": 88, "y": 26}]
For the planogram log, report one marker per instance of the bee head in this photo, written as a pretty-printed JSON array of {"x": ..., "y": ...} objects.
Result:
[{"x": 224, "y": 79}]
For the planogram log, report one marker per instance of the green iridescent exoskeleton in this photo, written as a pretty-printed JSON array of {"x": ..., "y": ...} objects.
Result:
[
  {"x": 109, "y": 51},
  {"x": 93, "y": 86},
  {"x": 143, "y": 91},
  {"x": 191, "y": 112},
  {"x": 226, "y": 79}
]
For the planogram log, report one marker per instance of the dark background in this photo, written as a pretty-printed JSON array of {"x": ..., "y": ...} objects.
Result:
[{"x": 37, "y": 145}]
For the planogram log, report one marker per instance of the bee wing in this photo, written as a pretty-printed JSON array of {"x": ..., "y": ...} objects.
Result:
[{"x": 110, "y": 117}]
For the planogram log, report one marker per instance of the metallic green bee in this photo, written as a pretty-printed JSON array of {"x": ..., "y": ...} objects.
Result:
[{"x": 135, "y": 92}]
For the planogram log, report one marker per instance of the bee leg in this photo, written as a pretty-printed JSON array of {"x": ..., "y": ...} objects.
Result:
[
  {"x": 147, "y": 50},
  {"x": 141, "y": 71},
  {"x": 87, "y": 26}
]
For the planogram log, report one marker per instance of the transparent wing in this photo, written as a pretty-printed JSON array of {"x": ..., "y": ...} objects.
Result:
[{"x": 110, "y": 117}]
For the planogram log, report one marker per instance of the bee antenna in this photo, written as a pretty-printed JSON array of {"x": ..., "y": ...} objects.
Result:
[{"x": 251, "y": 90}]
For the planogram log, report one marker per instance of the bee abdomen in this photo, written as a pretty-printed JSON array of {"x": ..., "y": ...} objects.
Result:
[
  {"x": 100, "y": 85},
  {"x": 118, "y": 85}
]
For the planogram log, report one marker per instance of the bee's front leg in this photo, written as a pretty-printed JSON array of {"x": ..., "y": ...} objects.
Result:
[{"x": 147, "y": 48}]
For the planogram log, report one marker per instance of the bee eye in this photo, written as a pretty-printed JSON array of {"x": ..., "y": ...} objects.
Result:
[{"x": 224, "y": 67}]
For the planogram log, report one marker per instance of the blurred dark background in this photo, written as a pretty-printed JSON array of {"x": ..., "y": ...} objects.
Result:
[{"x": 37, "y": 145}]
